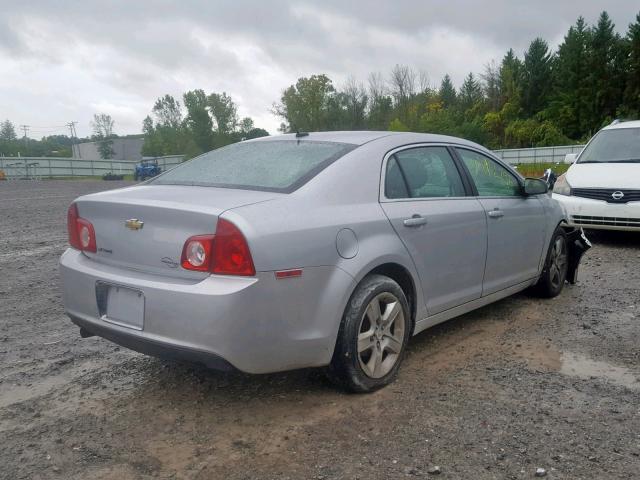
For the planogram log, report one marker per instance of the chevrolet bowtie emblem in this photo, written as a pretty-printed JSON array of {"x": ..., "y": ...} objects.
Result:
[{"x": 134, "y": 224}]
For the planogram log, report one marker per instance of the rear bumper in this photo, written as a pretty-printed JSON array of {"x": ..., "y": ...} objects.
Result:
[
  {"x": 600, "y": 215},
  {"x": 254, "y": 324},
  {"x": 154, "y": 348}
]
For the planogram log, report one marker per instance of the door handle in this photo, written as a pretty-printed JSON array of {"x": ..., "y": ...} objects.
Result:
[
  {"x": 415, "y": 221},
  {"x": 496, "y": 213}
]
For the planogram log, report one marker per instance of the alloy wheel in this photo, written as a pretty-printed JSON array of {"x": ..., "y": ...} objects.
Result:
[
  {"x": 559, "y": 262},
  {"x": 381, "y": 335}
]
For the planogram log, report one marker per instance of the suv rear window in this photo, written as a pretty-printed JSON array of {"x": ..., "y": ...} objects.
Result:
[{"x": 274, "y": 165}]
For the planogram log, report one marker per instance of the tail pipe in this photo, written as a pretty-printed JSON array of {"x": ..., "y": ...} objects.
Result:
[{"x": 84, "y": 333}]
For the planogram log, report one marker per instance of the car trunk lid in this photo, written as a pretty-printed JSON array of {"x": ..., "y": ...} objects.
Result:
[{"x": 145, "y": 227}]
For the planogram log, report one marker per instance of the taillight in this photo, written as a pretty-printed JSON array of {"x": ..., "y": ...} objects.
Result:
[
  {"x": 225, "y": 253},
  {"x": 82, "y": 235},
  {"x": 231, "y": 254},
  {"x": 72, "y": 229},
  {"x": 196, "y": 254}
]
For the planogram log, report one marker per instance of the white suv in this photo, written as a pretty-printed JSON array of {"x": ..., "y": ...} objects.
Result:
[{"x": 601, "y": 190}]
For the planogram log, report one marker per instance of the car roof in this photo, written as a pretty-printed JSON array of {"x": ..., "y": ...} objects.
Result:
[
  {"x": 352, "y": 137},
  {"x": 362, "y": 137},
  {"x": 629, "y": 124}
]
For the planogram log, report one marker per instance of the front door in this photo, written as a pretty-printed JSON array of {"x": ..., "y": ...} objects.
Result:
[
  {"x": 516, "y": 223},
  {"x": 444, "y": 230}
]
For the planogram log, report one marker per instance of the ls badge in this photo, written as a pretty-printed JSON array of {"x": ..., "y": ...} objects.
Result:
[{"x": 134, "y": 224}]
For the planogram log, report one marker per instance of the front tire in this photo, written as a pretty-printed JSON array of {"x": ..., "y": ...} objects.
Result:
[
  {"x": 556, "y": 266},
  {"x": 373, "y": 336}
]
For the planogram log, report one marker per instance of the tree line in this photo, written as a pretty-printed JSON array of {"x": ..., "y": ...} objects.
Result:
[
  {"x": 103, "y": 134},
  {"x": 540, "y": 99},
  {"x": 12, "y": 146},
  {"x": 211, "y": 121},
  {"x": 544, "y": 98}
]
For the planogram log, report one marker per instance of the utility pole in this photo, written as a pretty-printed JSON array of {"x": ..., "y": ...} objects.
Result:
[
  {"x": 25, "y": 129},
  {"x": 75, "y": 149}
]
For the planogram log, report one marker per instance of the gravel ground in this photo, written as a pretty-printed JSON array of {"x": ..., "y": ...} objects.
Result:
[{"x": 498, "y": 393}]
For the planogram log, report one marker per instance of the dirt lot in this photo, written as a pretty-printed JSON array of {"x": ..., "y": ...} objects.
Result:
[{"x": 516, "y": 386}]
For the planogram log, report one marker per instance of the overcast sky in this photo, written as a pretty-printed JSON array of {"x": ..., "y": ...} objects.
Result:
[{"x": 64, "y": 61}]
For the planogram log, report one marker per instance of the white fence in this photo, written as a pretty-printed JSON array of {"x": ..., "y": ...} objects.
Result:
[
  {"x": 49, "y": 167},
  {"x": 516, "y": 156},
  {"x": 52, "y": 167}
]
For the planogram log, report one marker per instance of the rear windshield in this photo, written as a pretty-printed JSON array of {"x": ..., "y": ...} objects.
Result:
[
  {"x": 278, "y": 166},
  {"x": 615, "y": 145}
]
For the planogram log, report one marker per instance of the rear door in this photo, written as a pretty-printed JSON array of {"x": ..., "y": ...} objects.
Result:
[
  {"x": 425, "y": 197},
  {"x": 516, "y": 223}
]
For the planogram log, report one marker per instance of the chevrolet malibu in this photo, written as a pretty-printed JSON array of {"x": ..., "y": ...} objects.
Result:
[{"x": 311, "y": 250}]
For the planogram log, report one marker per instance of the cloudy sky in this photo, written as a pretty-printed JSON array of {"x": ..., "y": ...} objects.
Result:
[{"x": 64, "y": 61}]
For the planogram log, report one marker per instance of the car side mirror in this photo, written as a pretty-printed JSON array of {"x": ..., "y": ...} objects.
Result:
[
  {"x": 535, "y": 186},
  {"x": 570, "y": 158}
]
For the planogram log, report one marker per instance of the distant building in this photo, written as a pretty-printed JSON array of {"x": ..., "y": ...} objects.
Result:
[{"x": 123, "y": 149}]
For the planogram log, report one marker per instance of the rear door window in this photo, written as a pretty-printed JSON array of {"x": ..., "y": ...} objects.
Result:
[{"x": 423, "y": 172}]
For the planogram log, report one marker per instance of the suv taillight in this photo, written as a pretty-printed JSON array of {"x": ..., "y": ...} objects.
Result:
[
  {"x": 82, "y": 235},
  {"x": 225, "y": 253}
]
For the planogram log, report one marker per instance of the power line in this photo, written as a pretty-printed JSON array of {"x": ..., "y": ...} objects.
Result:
[{"x": 50, "y": 126}]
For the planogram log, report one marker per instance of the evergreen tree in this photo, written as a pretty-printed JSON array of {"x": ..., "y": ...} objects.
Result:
[
  {"x": 632, "y": 90},
  {"x": 491, "y": 80},
  {"x": 511, "y": 79},
  {"x": 606, "y": 76},
  {"x": 570, "y": 104},
  {"x": 447, "y": 92},
  {"x": 470, "y": 93},
  {"x": 7, "y": 131},
  {"x": 536, "y": 77}
]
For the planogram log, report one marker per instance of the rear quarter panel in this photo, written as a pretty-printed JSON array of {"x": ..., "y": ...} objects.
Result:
[{"x": 299, "y": 230}]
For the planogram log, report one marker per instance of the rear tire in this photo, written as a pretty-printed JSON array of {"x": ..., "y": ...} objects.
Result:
[
  {"x": 556, "y": 266},
  {"x": 373, "y": 336}
]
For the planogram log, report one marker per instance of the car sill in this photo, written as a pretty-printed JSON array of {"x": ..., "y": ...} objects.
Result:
[{"x": 469, "y": 306}]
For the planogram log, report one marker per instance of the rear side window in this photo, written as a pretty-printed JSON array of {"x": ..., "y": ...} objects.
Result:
[
  {"x": 491, "y": 178},
  {"x": 424, "y": 172},
  {"x": 279, "y": 166}
]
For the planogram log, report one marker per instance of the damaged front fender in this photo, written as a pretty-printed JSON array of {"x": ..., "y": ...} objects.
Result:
[{"x": 578, "y": 244}]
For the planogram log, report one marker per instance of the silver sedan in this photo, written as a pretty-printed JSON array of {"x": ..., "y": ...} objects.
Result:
[{"x": 311, "y": 250}]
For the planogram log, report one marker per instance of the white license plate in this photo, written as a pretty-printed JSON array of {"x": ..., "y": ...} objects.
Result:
[{"x": 121, "y": 305}]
